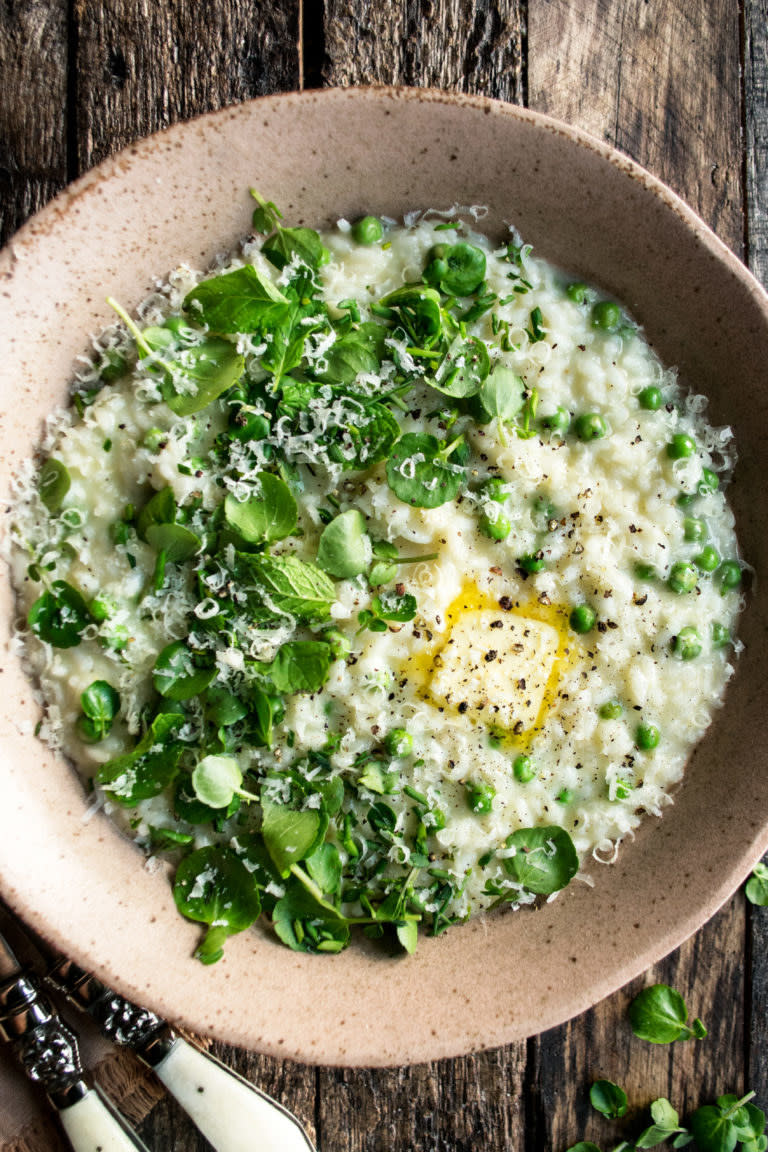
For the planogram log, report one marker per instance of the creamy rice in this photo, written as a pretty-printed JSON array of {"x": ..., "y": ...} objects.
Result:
[{"x": 493, "y": 678}]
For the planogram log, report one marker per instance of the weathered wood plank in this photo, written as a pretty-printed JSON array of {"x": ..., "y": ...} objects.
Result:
[
  {"x": 143, "y": 65},
  {"x": 459, "y": 45},
  {"x": 659, "y": 81},
  {"x": 33, "y": 138},
  {"x": 442, "y": 1107},
  {"x": 707, "y": 971}
]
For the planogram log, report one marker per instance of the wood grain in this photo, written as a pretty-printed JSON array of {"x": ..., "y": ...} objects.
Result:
[
  {"x": 144, "y": 64},
  {"x": 33, "y": 96},
  {"x": 459, "y": 45},
  {"x": 658, "y": 80}
]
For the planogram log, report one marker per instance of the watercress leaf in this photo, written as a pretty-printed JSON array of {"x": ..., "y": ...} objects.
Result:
[
  {"x": 658, "y": 1014},
  {"x": 53, "y": 484},
  {"x": 419, "y": 472},
  {"x": 366, "y": 439},
  {"x": 175, "y": 674},
  {"x": 59, "y": 616},
  {"x": 215, "y": 780},
  {"x": 712, "y": 1131},
  {"x": 266, "y": 215},
  {"x": 584, "y": 1146},
  {"x": 395, "y": 606},
  {"x": 463, "y": 369},
  {"x": 664, "y": 1114},
  {"x": 466, "y": 266},
  {"x": 501, "y": 394},
  {"x": 545, "y": 859},
  {"x": 241, "y": 301},
  {"x": 100, "y": 704},
  {"x": 177, "y": 542},
  {"x": 294, "y": 586},
  {"x": 291, "y": 836},
  {"x": 303, "y": 243},
  {"x": 345, "y": 547},
  {"x": 358, "y": 351},
  {"x": 222, "y": 708},
  {"x": 149, "y": 768},
  {"x": 332, "y": 792},
  {"x": 186, "y": 804},
  {"x": 682, "y": 1139},
  {"x": 757, "y": 886},
  {"x": 261, "y": 715},
  {"x": 159, "y": 509},
  {"x": 269, "y": 516},
  {"x": 213, "y": 886},
  {"x": 324, "y": 866},
  {"x": 200, "y": 375},
  {"x": 408, "y": 935},
  {"x": 753, "y": 1125},
  {"x": 300, "y": 666},
  {"x": 419, "y": 312},
  {"x": 308, "y": 924},
  {"x": 608, "y": 1099},
  {"x": 653, "y": 1136}
]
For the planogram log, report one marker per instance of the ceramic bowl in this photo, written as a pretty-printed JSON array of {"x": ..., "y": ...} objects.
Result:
[{"x": 183, "y": 196}]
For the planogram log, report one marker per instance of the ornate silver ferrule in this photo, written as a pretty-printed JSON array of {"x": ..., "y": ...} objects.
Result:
[{"x": 40, "y": 1040}]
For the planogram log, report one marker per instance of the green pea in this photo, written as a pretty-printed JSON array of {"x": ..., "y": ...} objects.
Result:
[
  {"x": 154, "y": 438},
  {"x": 497, "y": 528},
  {"x": 708, "y": 559},
  {"x": 398, "y": 742},
  {"x": 564, "y": 796},
  {"x": 729, "y": 575},
  {"x": 606, "y": 315},
  {"x": 495, "y": 489},
  {"x": 645, "y": 571},
  {"x": 101, "y": 608},
  {"x": 681, "y": 446},
  {"x": 687, "y": 643},
  {"x": 582, "y": 618},
  {"x": 590, "y": 426},
  {"x": 720, "y": 635},
  {"x": 523, "y": 768},
  {"x": 682, "y": 577},
  {"x": 338, "y": 642},
  {"x": 647, "y": 737},
  {"x": 577, "y": 292},
  {"x": 533, "y": 562},
  {"x": 367, "y": 230},
  {"x": 685, "y": 499},
  {"x": 710, "y": 482},
  {"x": 694, "y": 529},
  {"x": 650, "y": 398},
  {"x": 558, "y": 421},
  {"x": 611, "y": 710},
  {"x": 480, "y": 798}
]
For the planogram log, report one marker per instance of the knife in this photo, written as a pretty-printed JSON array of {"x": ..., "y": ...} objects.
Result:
[
  {"x": 46, "y": 1048},
  {"x": 231, "y": 1113}
]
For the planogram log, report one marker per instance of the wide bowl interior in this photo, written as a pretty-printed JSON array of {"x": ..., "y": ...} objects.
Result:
[{"x": 183, "y": 196}]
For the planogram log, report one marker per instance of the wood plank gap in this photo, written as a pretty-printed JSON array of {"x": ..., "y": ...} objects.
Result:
[
  {"x": 70, "y": 111},
  {"x": 311, "y": 43},
  {"x": 532, "y": 1114},
  {"x": 523, "y": 6},
  {"x": 746, "y": 224}
]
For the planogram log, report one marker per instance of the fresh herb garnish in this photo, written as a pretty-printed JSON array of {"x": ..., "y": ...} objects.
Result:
[
  {"x": 214, "y": 887},
  {"x": 420, "y": 470},
  {"x": 59, "y": 616},
  {"x": 100, "y": 704},
  {"x": 757, "y": 886},
  {"x": 658, "y": 1014}
]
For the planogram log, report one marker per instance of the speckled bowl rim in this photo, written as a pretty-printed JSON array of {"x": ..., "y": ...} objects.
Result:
[{"x": 460, "y": 992}]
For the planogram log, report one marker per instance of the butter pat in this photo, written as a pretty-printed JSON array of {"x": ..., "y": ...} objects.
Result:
[{"x": 494, "y": 668}]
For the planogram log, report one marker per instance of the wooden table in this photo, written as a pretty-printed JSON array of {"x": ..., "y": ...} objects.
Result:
[{"x": 680, "y": 85}]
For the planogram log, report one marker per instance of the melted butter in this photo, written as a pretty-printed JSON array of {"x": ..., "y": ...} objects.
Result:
[{"x": 422, "y": 665}]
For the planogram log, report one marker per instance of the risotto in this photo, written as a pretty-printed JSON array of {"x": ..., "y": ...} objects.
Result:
[{"x": 378, "y": 577}]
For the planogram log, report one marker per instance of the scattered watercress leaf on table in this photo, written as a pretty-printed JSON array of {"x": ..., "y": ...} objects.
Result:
[
  {"x": 53, "y": 484},
  {"x": 59, "y": 616},
  {"x": 149, "y": 767},
  {"x": 263, "y": 519},
  {"x": 214, "y": 887},
  {"x": 658, "y": 1014},
  {"x": 420, "y": 471},
  {"x": 608, "y": 1099},
  {"x": 666, "y": 1123},
  {"x": 290, "y": 836},
  {"x": 241, "y": 301},
  {"x": 300, "y": 666},
  {"x": 345, "y": 547},
  {"x": 713, "y": 1130},
  {"x": 584, "y": 1146},
  {"x": 175, "y": 674},
  {"x": 757, "y": 886},
  {"x": 545, "y": 859}
]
